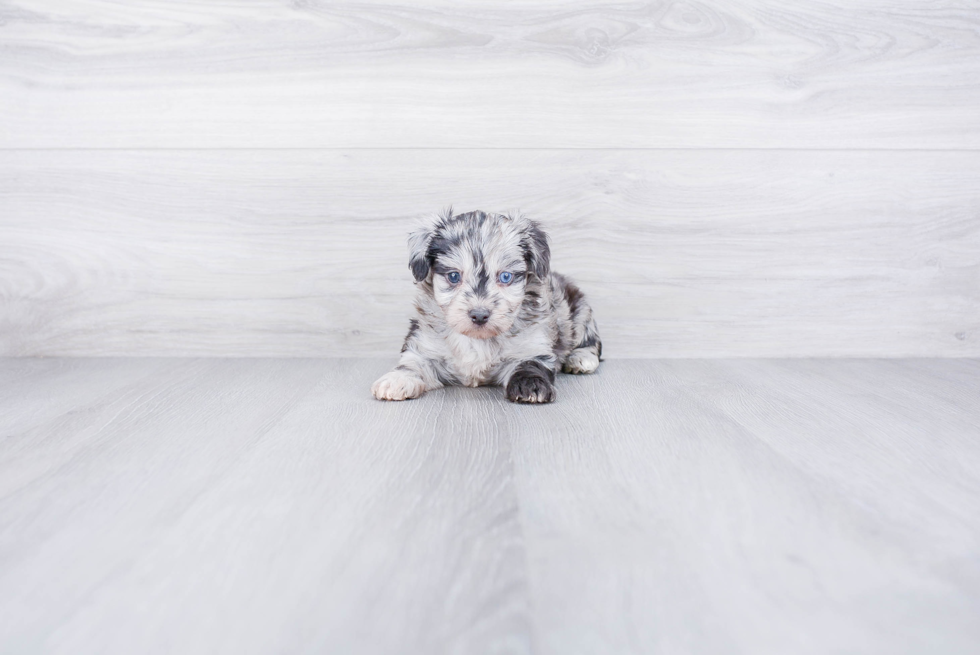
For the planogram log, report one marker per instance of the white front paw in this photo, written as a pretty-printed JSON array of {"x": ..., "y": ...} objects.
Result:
[
  {"x": 398, "y": 385},
  {"x": 581, "y": 361}
]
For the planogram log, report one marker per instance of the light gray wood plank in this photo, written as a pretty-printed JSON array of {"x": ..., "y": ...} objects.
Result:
[
  {"x": 659, "y": 506},
  {"x": 539, "y": 73},
  {"x": 302, "y": 253},
  {"x": 753, "y": 506},
  {"x": 252, "y": 506},
  {"x": 47, "y": 398}
]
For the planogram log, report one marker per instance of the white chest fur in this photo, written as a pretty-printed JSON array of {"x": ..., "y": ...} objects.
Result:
[{"x": 473, "y": 359}]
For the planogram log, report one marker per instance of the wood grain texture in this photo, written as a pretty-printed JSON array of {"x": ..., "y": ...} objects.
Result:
[
  {"x": 302, "y": 253},
  {"x": 755, "y": 506},
  {"x": 252, "y": 506},
  {"x": 538, "y": 73},
  {"x": 229, "y": 506}
]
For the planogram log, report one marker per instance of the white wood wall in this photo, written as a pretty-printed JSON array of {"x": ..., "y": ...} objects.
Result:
[{"x": 723, "y": 178}]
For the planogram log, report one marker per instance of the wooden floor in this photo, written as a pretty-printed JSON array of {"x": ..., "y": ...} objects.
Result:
[{"x": 660, "y": 506}]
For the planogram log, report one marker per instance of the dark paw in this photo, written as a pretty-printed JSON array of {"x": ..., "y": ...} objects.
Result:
[{"x": 530, "y": 387}]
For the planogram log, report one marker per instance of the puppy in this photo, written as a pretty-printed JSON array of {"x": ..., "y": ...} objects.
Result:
[{"x": 490, "y": 312}]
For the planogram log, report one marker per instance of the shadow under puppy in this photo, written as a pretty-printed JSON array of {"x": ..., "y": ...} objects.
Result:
[{"x": 490, "y": 312}]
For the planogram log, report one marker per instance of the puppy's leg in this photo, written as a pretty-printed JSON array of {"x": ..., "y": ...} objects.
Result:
[
  {"x": 580, "y": 361},
  {"x": 585, "y": 356},
  {"x": 414, "y": 375},
  {"x": 399, "y": 384},
  {"x": 532, "y": 381}
]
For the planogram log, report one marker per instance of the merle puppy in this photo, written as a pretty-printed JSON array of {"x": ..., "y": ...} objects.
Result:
[{"x": 490, "y": 311}]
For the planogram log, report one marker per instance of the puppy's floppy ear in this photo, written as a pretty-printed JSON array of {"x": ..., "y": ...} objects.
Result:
[
  {"x": 418, "y": 252},
  {"x": 420, "y": 255},
  {"x": 537, "y": 254}
]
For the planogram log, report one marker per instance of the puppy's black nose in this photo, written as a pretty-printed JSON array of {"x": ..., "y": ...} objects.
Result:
[{"x": 480, "y": 316}]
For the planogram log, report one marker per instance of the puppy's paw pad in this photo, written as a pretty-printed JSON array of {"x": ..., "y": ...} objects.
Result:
[
  {"x": 398, "y": 385},
  {"x": 530, "y": 389},
  {"x": 581, "y": 361}
]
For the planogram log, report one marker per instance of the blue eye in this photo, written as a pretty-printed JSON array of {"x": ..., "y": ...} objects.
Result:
[
  {"x": 505, "y": 277},
  {"x": 453, "y": 277}
]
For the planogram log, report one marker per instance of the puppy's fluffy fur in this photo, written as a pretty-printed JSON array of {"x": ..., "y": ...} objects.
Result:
[{"x": 490, "y": 312}]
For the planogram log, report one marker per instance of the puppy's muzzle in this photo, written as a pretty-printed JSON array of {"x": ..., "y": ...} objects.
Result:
[{"x": 480, "y": 316}]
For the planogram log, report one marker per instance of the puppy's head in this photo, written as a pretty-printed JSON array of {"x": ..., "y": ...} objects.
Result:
[{"x": 479, "y": 266}]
